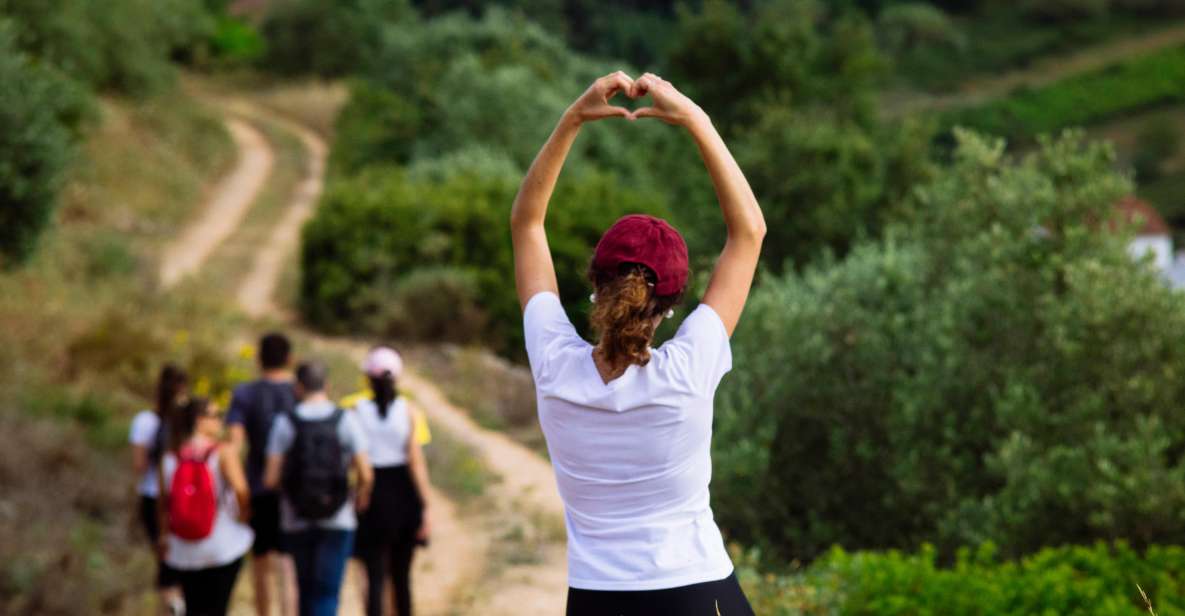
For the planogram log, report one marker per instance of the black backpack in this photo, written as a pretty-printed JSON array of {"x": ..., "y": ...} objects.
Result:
[
  {"x": 316, "y": 468},
  {"x": 268, "y": 400}
]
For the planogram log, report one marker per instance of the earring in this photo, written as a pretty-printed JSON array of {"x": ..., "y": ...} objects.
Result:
[
  {"x": 671, "y": 313},
  {"x": 592, "y": 298}
]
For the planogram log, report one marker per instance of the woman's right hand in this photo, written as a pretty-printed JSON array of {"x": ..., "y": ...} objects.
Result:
[
  {"x": 669, "y": 105},
  {"x": 594, "y": 103}
]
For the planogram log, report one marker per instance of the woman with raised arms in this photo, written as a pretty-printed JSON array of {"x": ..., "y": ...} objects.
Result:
[{"x": 629, "y": 427}]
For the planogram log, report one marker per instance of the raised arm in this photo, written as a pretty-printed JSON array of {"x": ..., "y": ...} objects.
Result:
[
  {"x": 533, "y": 268},
  {"x": 729, "y": 286}
]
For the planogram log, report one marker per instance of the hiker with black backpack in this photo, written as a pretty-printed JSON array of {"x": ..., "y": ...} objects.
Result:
[
  {"x": 203, "y": 509},
  {"x": 310, "y": 453},
  {"x": 147, "y": 438},
  {"x": 253, "y": 408}
]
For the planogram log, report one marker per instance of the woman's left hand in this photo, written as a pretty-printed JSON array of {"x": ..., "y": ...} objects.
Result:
[{"x": 425, "y": 528}]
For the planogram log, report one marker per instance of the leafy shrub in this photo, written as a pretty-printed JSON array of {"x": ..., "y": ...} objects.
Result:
[
  {"x": 986, "y": 373},
  {"x": 1065, "y": 10},
  {"x": 435, "y": 304},
  {"x": 122, "y": 45},
  {"x": 37, "y": 122},
  {"x": 329, "y": 39},
  {"x": 910, "y": 25},
  {"x": 1099, "y": 580},
  {"x": 375, "y": 229},
  {"x": 234, "y": 41},
  {"x": 1156, "y": 142},
  {"x": 1156, "y": 78}
]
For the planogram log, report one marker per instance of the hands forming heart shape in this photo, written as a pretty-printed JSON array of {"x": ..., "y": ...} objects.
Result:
[{"x": 667, "y": 103}]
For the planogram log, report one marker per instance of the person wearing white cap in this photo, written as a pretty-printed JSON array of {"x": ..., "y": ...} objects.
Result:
[{"x": 397, "y": 519}]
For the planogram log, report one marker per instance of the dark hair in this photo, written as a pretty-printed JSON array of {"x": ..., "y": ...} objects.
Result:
[
  {"x": 624, "y": 312},
  {"x": 385, "y": 391},
  {"x": 169, "y": 386},
  {"x": 312, "y": 375},
  {"x": 274, "y": 351},
  {"x": 184, "y": 420}
]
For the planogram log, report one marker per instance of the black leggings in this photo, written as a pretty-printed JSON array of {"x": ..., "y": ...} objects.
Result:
[
  {"x": 723, "y": 597},
  {"x": 396, "y": 559},
  {"x": 207, "y": 591}
]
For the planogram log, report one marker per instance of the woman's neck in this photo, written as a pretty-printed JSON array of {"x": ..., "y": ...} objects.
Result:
[{"x": 607, "y": 370}]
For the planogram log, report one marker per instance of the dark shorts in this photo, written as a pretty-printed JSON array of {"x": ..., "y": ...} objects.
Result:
[
  {"x": 166, "y": 576},
  {"x": 719, "y": 598},
  {"x": 265, "y": 521}
]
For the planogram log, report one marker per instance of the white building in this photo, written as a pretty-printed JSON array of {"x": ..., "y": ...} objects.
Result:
[{"x": 1153, "y": 239}]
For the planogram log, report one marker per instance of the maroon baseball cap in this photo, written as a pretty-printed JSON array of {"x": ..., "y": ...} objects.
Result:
[{"x": 647, "y": 240}]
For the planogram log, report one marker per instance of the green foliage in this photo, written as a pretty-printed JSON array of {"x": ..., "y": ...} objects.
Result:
[
  {"x": 824, "y": 182},
  {"x": 377, "y": 228},
  {"x": 1065, "y": 10},
  {"x": 783, "y": 52},
  {"x": 1141, "y": 82},
  {"x": 235, "y": 41},
  {"x": 121, "y": 45},
  {"x": 1099, "y": 580},
  {"x": 432, "y": 304},
  {"x": 988, "y": 372},
  {"x": 329, "y": 39},
  {"x": 37, "y": 126},
  {"x": 916, "y": 24},
  {"x": 1156, "y": 142}
]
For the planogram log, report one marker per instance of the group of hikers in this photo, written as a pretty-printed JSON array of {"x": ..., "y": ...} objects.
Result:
[
  {"x": 628, "y": 426},
  {"x": 287, "y": 475}
]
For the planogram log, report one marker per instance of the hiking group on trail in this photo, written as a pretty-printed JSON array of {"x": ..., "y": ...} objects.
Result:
[
  {"x": 628, "y": 427},
  {"x": 307, "y": 490}
]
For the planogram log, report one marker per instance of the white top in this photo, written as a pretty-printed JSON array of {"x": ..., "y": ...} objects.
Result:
[
  {"x": 228, "y": 541},
  {"x": 280, "y": 440},
  {"x": 388, "y": 435},
  {"x": 143, "y": 433},
  {"x": 632, "y": 457}
]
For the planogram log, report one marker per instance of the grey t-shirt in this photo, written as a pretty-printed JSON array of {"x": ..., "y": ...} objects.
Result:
[{"x": 353, "y": 440}]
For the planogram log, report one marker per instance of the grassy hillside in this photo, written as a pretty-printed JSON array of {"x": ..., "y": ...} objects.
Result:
[{"x": 83, "y": 334}]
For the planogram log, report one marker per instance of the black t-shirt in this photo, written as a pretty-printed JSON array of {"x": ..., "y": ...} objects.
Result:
[{"x": 255, "y": 406}]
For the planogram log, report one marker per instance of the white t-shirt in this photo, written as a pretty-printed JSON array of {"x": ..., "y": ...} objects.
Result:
[
  {"x": 387, "y": 436},
  {"x": 349, "y": 434},
  {"x": 143, "y": 433},
  {"x": 228, "y": 541},
  {"x": 632, "y": 458}
]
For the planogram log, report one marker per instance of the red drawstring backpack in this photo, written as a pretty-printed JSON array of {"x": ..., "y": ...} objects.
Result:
[{"x": 193, "y": 505}]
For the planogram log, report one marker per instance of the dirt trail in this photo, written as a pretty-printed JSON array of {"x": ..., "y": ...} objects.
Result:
[
  {"x": 448, "y": 563},
  {"x": 1042, "y": 72},
  {"x": 226, "y": 207},
  {"x": 257, "y": 290}
]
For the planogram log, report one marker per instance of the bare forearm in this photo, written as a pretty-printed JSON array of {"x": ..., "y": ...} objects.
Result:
[
  {"x": 530, "y": 206},
  {"x": 419, "y": 473},
  {"x": 742, "y": 214}
]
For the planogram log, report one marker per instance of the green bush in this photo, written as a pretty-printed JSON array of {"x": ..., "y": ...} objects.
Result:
[
  {"x": 985, "y": 373},
  {"x": 1083, "y": 99},
  {"x": 38, "y": 121},
  {"x": 432, "y": 304},
  {"x": 121, "y": 45},
  {"x": 1099, "y": 580},
  {"x": 234, "y": 41},
  {"x": 1065, "y": 10},
  {"x": 377, "y": 228},
  {"x": 329, "y": 39},
  {"x": 1156, "y": 142},
  {"x": 914, "y": 24}
]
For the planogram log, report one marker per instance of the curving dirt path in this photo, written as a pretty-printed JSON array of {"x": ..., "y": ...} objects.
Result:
[
  {"x": 470, "y": 567},
  {"x": 1042, "y": 72},
  {"x": 226, "y": 207}
]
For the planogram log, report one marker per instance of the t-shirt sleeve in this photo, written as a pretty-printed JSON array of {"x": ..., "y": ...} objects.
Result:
[
  {"x": 545, "y": 324},
  {"x": 279, "y": 440},
  {"x": 702, "y": 349},
  {"x": 143, "y": 430},
  {"x": 236, "y": 414}
]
